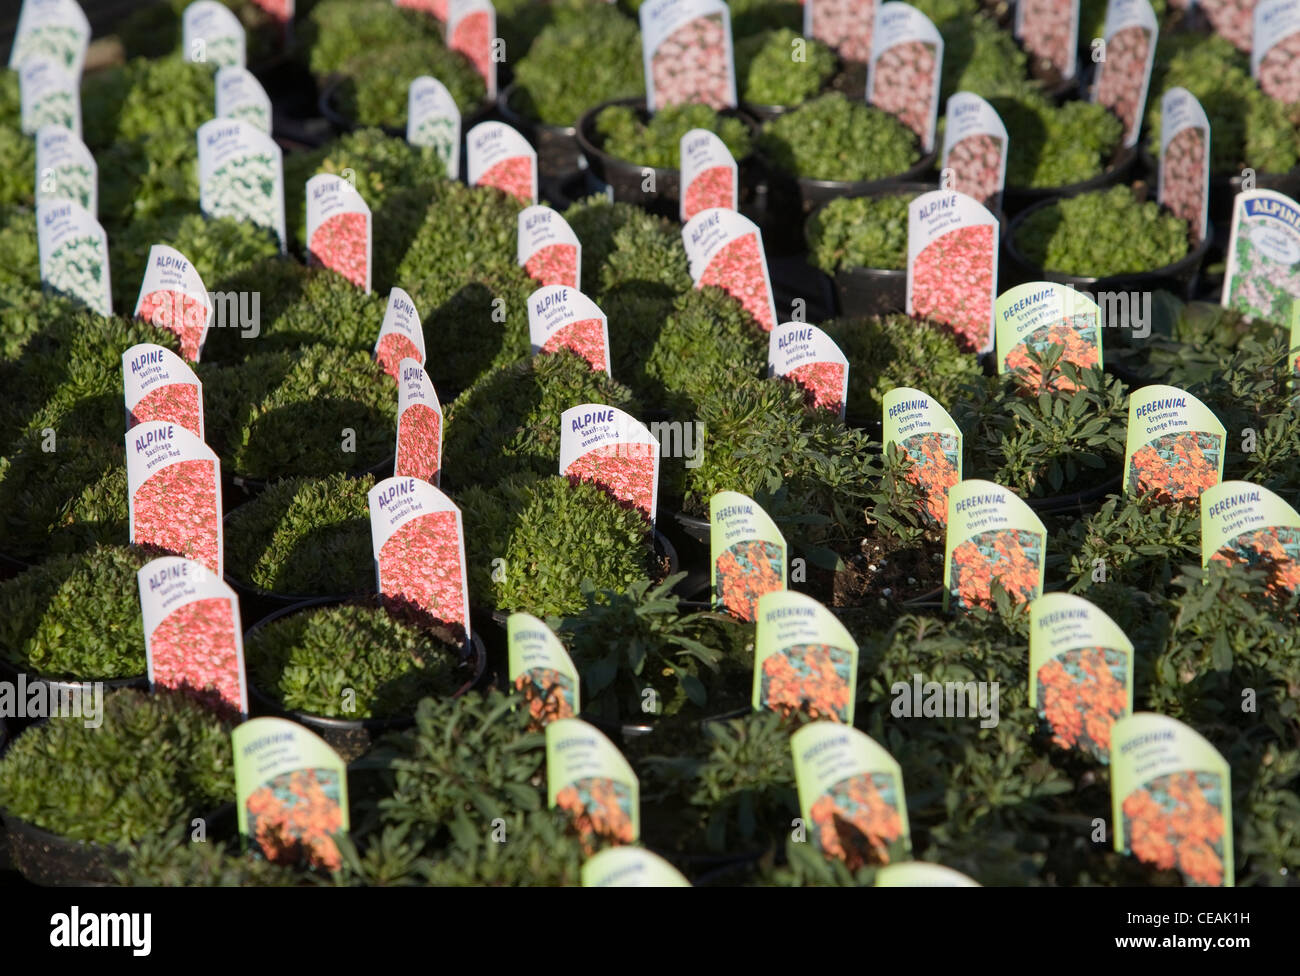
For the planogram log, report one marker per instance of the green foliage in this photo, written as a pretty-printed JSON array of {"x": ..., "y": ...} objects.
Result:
[
  {"x": 1056, "y": 145},
  {"x": 834, "y": 138},
  {"x": 20, "y": 263},
  {"x": 767, "y": 74},
  {"x": 153, "y": 176},
  {"x": 657, "y": 143},
  {"x": 337, "y": 31},
  {"x": 860, "y": 232},
  {"x": 142, "y": 97},
  {"x": 377, "y": 82},
  {"x": 622, "y": 244},
  {"x": 17, "y": 151},
  {"x": 176, "y": 861},
  {"x": 1141, "y": 545},
  {"x": 980, "y": 57}
]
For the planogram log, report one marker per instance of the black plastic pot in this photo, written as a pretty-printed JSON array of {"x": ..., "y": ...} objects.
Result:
[
  {"x": 1081, "y": 502},
  {"x": 9, "y": 672},
  {"x": 558, "y": 152},
  {"x": 795, "y": 197},
  {"x": 766, "y": 113},
  {"x": 1224, "y": 187},
  {"x": 1016, "y": 199}
]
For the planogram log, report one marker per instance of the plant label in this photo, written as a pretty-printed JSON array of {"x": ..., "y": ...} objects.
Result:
[
  {"x": 809, "y": 358},
  {"x": 1276, "y": 48},
  {"x": 805, "y": 662},
  {"x": 1262, "y": 280},
  {"x": 1049, "y": 30},
  {"x": 1122, "y": 78},
  {"x": 903, "y": 74},
  {"x": 212, "y": 34},
  {"x": 63, "y": 156},
  {"x": 281, "y": 12},
  {"x": 560, "y": 317},
  {"x": 159, "y": 386},
  {"x": 630, "y": 867},
  {"x": 686, "y": 52},
  {"x": 588, "y": 778},
  {"x": 433, "y": 120},
  {"x": 709, "y": 174},
  {"x": 56, "y": 30},
  {"x": 922, "y": 874},
  {"x": 975, "y": 148},
  {"x": 192, "y": 634},
  {"x": 419, "y": 425},
  {"x": 726, "y": 250},
  {"x": 844, "y": 25},
  {"x": 174, "y": 492},
  {"x": 748, "y": 554},
  {"x": 49, "y": 96},
  {"x": 339, "y": 229},
  {"x": 291, "y": 790},
  {"x": 472, "y": 30},
  {"x": 952, "y": 265},
  {"x": 1080, "y": 672},
  {"x": 1036, "y": 318},
  {"x": 547, "y": 248},
  {"x": 610, "y": 448},
  {"x": 401, "y": 335},
  {"x": 992, "y": 537},
  {"x": 73, "y": 251},
  {"x": 241, "y": 175},
  {"x": 1171, "y": 799},
  {"x": 1174, "y": 447},
  {"x": 434, "y": 8},
  {"x": 929, "y": 441},
  {"x": 241, "y": 96},
  {"x": 1184, "y": 178},
  {"x": 419, "y": 548},
  {"x": 850, "y": 796},
  {"x": 172, "y": 297},
  {"x": 541, "y": 670},
  {"x": 500, "y": 157},
  {"x": 1246, "y": 523}
]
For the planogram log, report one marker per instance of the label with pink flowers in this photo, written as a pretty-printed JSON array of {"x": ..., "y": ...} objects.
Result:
[
  {"x": 174, "y": 492},
  {"x": 726, "y": 250},
  {"x": 1275, "y": 53},
  {"x": 159, "y": 386},
  {"x": 974, "y": 149},
  {"x": 192, "y": 634},
  {"x": 1262, "y": 280},
  {"x": 212, "y": 34},
  {"x": 590, "y": 780},
  {"x": 1174, "y": 447},
  {"x": 241, "y": 96},
  {"x": 419, "y": 548},
  {"x": 903, "y": 76},
  {"x": 49, "y": 95},
  {"x": 930, "y": 443},
  {"x": 809, "y": 358},
  {"x": 1184, "y": 177},
  {"x": 1049, "y": 29},
  {"x": 65, "y": 169},
  {"x": 53, "y": 29},
  {"x": 952, "y": 265},
  {"x": 541, "y": 670},
  {"x": 434, "y": 8},
  {"x": 993, "y": 539},
  {"x": 748, "y": 554},
  {"x": 1041, "y": 327},
  {"x": 401, "y": 336},
  {"x": 241, "y": 175},
  {"x": 547, "y": 248},
  {"x": 433, "y": 120},
  {"x": 500, "y": 157},
  {"x": 1247, "y": 524},
  {"x": 472, "y": 30},
  {"x": 73, "y": 251},
  {"x": 419, "y": 425},
  {"x": 1125, "y": 72},
  {"x": 805, "y": 661},
  {"x": 844, "y": 25},
  {"x": 1171, "y": 799},
  {"x": 1080, "y": 672},
  {"x": 564, "y": 318},
  {"x": 172, "y": 297},
  {"x": 686, "y": 52},
  {"x": 339, "y": 228},
  {"x": 709, "y": 174},
  {"x": 606, "y": 446},
  {"x": 630, "y": 867}
]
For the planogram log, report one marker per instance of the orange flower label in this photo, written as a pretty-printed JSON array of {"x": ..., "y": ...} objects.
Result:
[
  {"x": 1174, "y": 449},
  {"x": 541, "y": 670},
  {"x": 748, "y": 554},
  {"x": 588, "y": 778},
  {"x": 932, "y": 442},
  {"x": 993, "y": 536},
  {"x": 1244, "y": 523},
  {"x": 805, "y": 661},
  {"x": 1040, "y": 318}
]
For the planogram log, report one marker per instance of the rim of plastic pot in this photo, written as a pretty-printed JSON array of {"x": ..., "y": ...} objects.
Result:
[
  {"x": 270, "y": 596},
  {"x": 328, "y": 105},
  {"x": 255, "y": 486},
  {"x": 1018, "y": 198},
  {"x": 11, "y": 673},
  {"x": 531, "y": 128}
]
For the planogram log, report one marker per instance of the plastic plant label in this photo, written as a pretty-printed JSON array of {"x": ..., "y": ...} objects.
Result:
[
  {"x": 541, "y": 670},
  {"x": 612, "y": 449},
  {"x": 547, "y": 248},
  {"x": 805, "y": 662},
  {"x": 280, "y": 11},
  {"x": 241, "y": 175},
  {"x": 193, "y": 638},
  {"x": 992, "y": 537},
  {"x": 560, "y": 317},
  {"x": 952, "y": 265},
  {"x": 686, "y": 52},
  {"x": 1034, "y": 317},
  {"x": 588, "y": 778},
  {"x": 1049, "y": 30},
  {"x": 809, "y": 358},
  {"x": 433, "y": 120},
  {"x": 630, "y": 867},
  {"x": 1080, "y": 672},
  {"x": 73, "y": 251},
  {"x": 1174, "y": 447},
  {"x": 172, "y": 297},
  {"x": 975, "y": 149},
  {"x": 291, "y": 790},
  {"x": 726, "y": 250},
  {"x": 922, "y": 874},
  {"x": 1248, "y": 524},
  {"x": 1275, "y": 49},
  {"x": 173, "y": 485},
  {"x": 241, "y": 96},
  {"x": 56, "y": 30},
  {"x": 401, "y": 335},
  {"x": 747, "y": 554},
  {"x": 850, "y": 796},
  {"x": 1184, "y": 178},
  {"x": 1122, "y": 78},
  {"x": 65, "y": 169},
  {"x": 472, "y": 30},
  {"x": 419, "y": 548},
  {"x": 903, "y": 74},
  {"x": 844, "y": 25},
  {"x": 1171, "y": 799},
  {"x": 500, "y": 157},
  {"x": 709, "y": 174},
  {"x": 419, "y": 425},
  {"x": 931, "y": 442},
  {"x": 157, "y": 385},
  {"x": 49, "y": 96},
  {"x": 212, "y": 34},
  {"x": 1262, "y": 280},
  {"x": 339, "y": 229}
]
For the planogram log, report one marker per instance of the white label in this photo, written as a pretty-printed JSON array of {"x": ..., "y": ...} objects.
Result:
[
  {"x": 560, "y": 317},
  {"x": 809, "y": 357},
  {"x": 339, "y": 228},
  {"x": 401, "y": 336},
  {"x": 1122, "y": 78},
  {"x": 74, "y": 254},
  {"x": 975, "y": 149},
  {"x": 1184, "y": 177},
  {"x": 174, "y": 492},
  {"x": 50, "y": 96},
  {"x": 844, "y": 25},
  {"x": 606, "y": 446},
  {"x": 65, "y": 169},
  {"x": 472, "y": 30},
  {"x": 241, "y": 96},
  {"x": 547, "y": 247},
  {"x": 710, "y": 177},
  {"x": 501, "y": 157},
  {"x": 686, "y": 53},
  {"x": 51, "y": 29},
  {"x": 172, "y": 297},
  {"x": 212, "y": 34},
  {"x": 726, "y": 250},
  {"x": 1050, "y": 29},
  {"x": 241, "y": 175},
  {"x": 419, "y": 425},
  {"x": 952, "y": 265},
  {"x": 903, "y": 76},
  {"x": 1275, "y": 53},
  {"x": 1262, "y": 280},
  {"x": 157, "y": 385},
  {"x": 432, "y": 119}
]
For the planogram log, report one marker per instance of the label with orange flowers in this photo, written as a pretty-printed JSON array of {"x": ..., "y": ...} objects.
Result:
[
  {"x": 747, "y": 554},
  {"x": 1276, "y": 43},
  {"x": 611, "y": 448},
  {"x": 904, "y": 68},
  {"x": 541, "y": 670},
  {"x": 1036, "y": 316},
  {"x": 433, "y": 120},
  {"x": 1171, "y": 799},
  {"x": 1174, "y": 448},
  {"x": 630, "y": 867},
  {"x": 547, "y": 248},
  {"x": 932, "y": 443},
  {"x": 809, "y": 358},
  {"x": 975, "y": 149},
  {"x": 173, "y": 485},
  {"x": 850, "y": 796},
  {"x": 291, "y": 791},
  {"x": 725, "y": 249},
  {"x": 172, "y": 297},
  {"x": 500, "y": 157},
  {"x": 1245, "y": 523},
  {"x": 560, "y": 317},
  {"x": 401, "y": 335},
  {"x": 339, "y": 228},
  {"x": 993, "y": 536},
  {"x": 419, "y": 425},
  {"x": 588, "y": 778},
  {"x": 922, "y": 874},
  {"x": 710, "y": 176},
  {"x": 1184, "y": 177},
  {"x": 952, "y": 265},
  {"x": 157, "y": 385},
  {"x": 805, "y": 662},
  {"x": 472, "y": 30},
  {"x": 1124, "y": 74},
  {"x": 1262, "y": 278},
  {"x": 686, "y": 53},
  {"x": 1080, "y": 672}
]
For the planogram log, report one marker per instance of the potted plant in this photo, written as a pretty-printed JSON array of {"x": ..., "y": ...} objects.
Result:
[
  {"x": 144, "y": 97},
  {"x": 17, "y": 151},
  {"x": 335, "y": 32},
  {"x": 768, "y": 80}
]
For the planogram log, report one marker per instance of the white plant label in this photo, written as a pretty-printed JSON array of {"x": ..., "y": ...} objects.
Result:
[
  {"x": 1184, "y": 178},
  {"x": 726, "y": 250},
  {"x": 212, "y": 34},
  {"x": 560, "y": 317},
  {"x": 975, "y": 149},
  {"x": 241, "y": 96},
  {"x": 709, "y": 174},
  {"x": 158, "y": 385},
  {"x": 65, "y": 169},
  {"x": 241, "y": 175},
  {"x": 50, "y": 95},
  {"x": 809, "y": 358},
  {"x": 500, "y": 157},
  {"x": 547, "y": 248},
  {"x": 172, "y": 297},
  {"x": 51, "y": 29},
  {"x": 686, "y": 52},
  {"x": 73, "y": 252},
  {"x": 433, "y": 120},
  {"x": 903, "y": 75}
]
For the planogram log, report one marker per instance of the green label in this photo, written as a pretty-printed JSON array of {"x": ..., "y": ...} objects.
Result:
[
  {"x": 1037, "y": 316},
  {"x": 630, "y": 867},
  {"x": 747, "y": 554},
  {"x": 805, "y": 662},
  {"x": 1174, "y": 449},
  {"x": 992, "y": 536},
  {"x": 588, "y": 778},
  {"x": 1244, "y": 523},
  {"x": 922, "y": 874},
  {"x": 541, "y": 669},
  {"x": 932, "y": 441}
]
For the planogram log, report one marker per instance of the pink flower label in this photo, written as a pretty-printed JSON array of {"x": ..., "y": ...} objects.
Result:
[
  {"x": 473, "y": 37},
  {"x": 586, "y": 338},
  {"x": 1122, "y": 81},
  {"x": 195, "y": 650},
  {"x": 179, "y": 314},
  {"x": 739, "y": 270},
  {"x": 555, "y": 264},
  {"x": 341, "y": 244},
  {"x": 823, "y": 385},
  {"x": 691, "y": 65},
  {"x": 393, "y": 348},
  {"x": 976, "y": 162},
  {"x": 419, "y": 443},
  {"x": 712, "y": 188},
  {"x": 952, "y": 283},
  {"x": 420, "y": 571},
  {"x": 844, "y": 25},
  {"x": 177, "y": 403},
  {"x": 178, "y": 511},
  {"x": 626, "y": 475},
  {"x": 903, "y": 85},
  {"x": 513, "y": 175}
]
